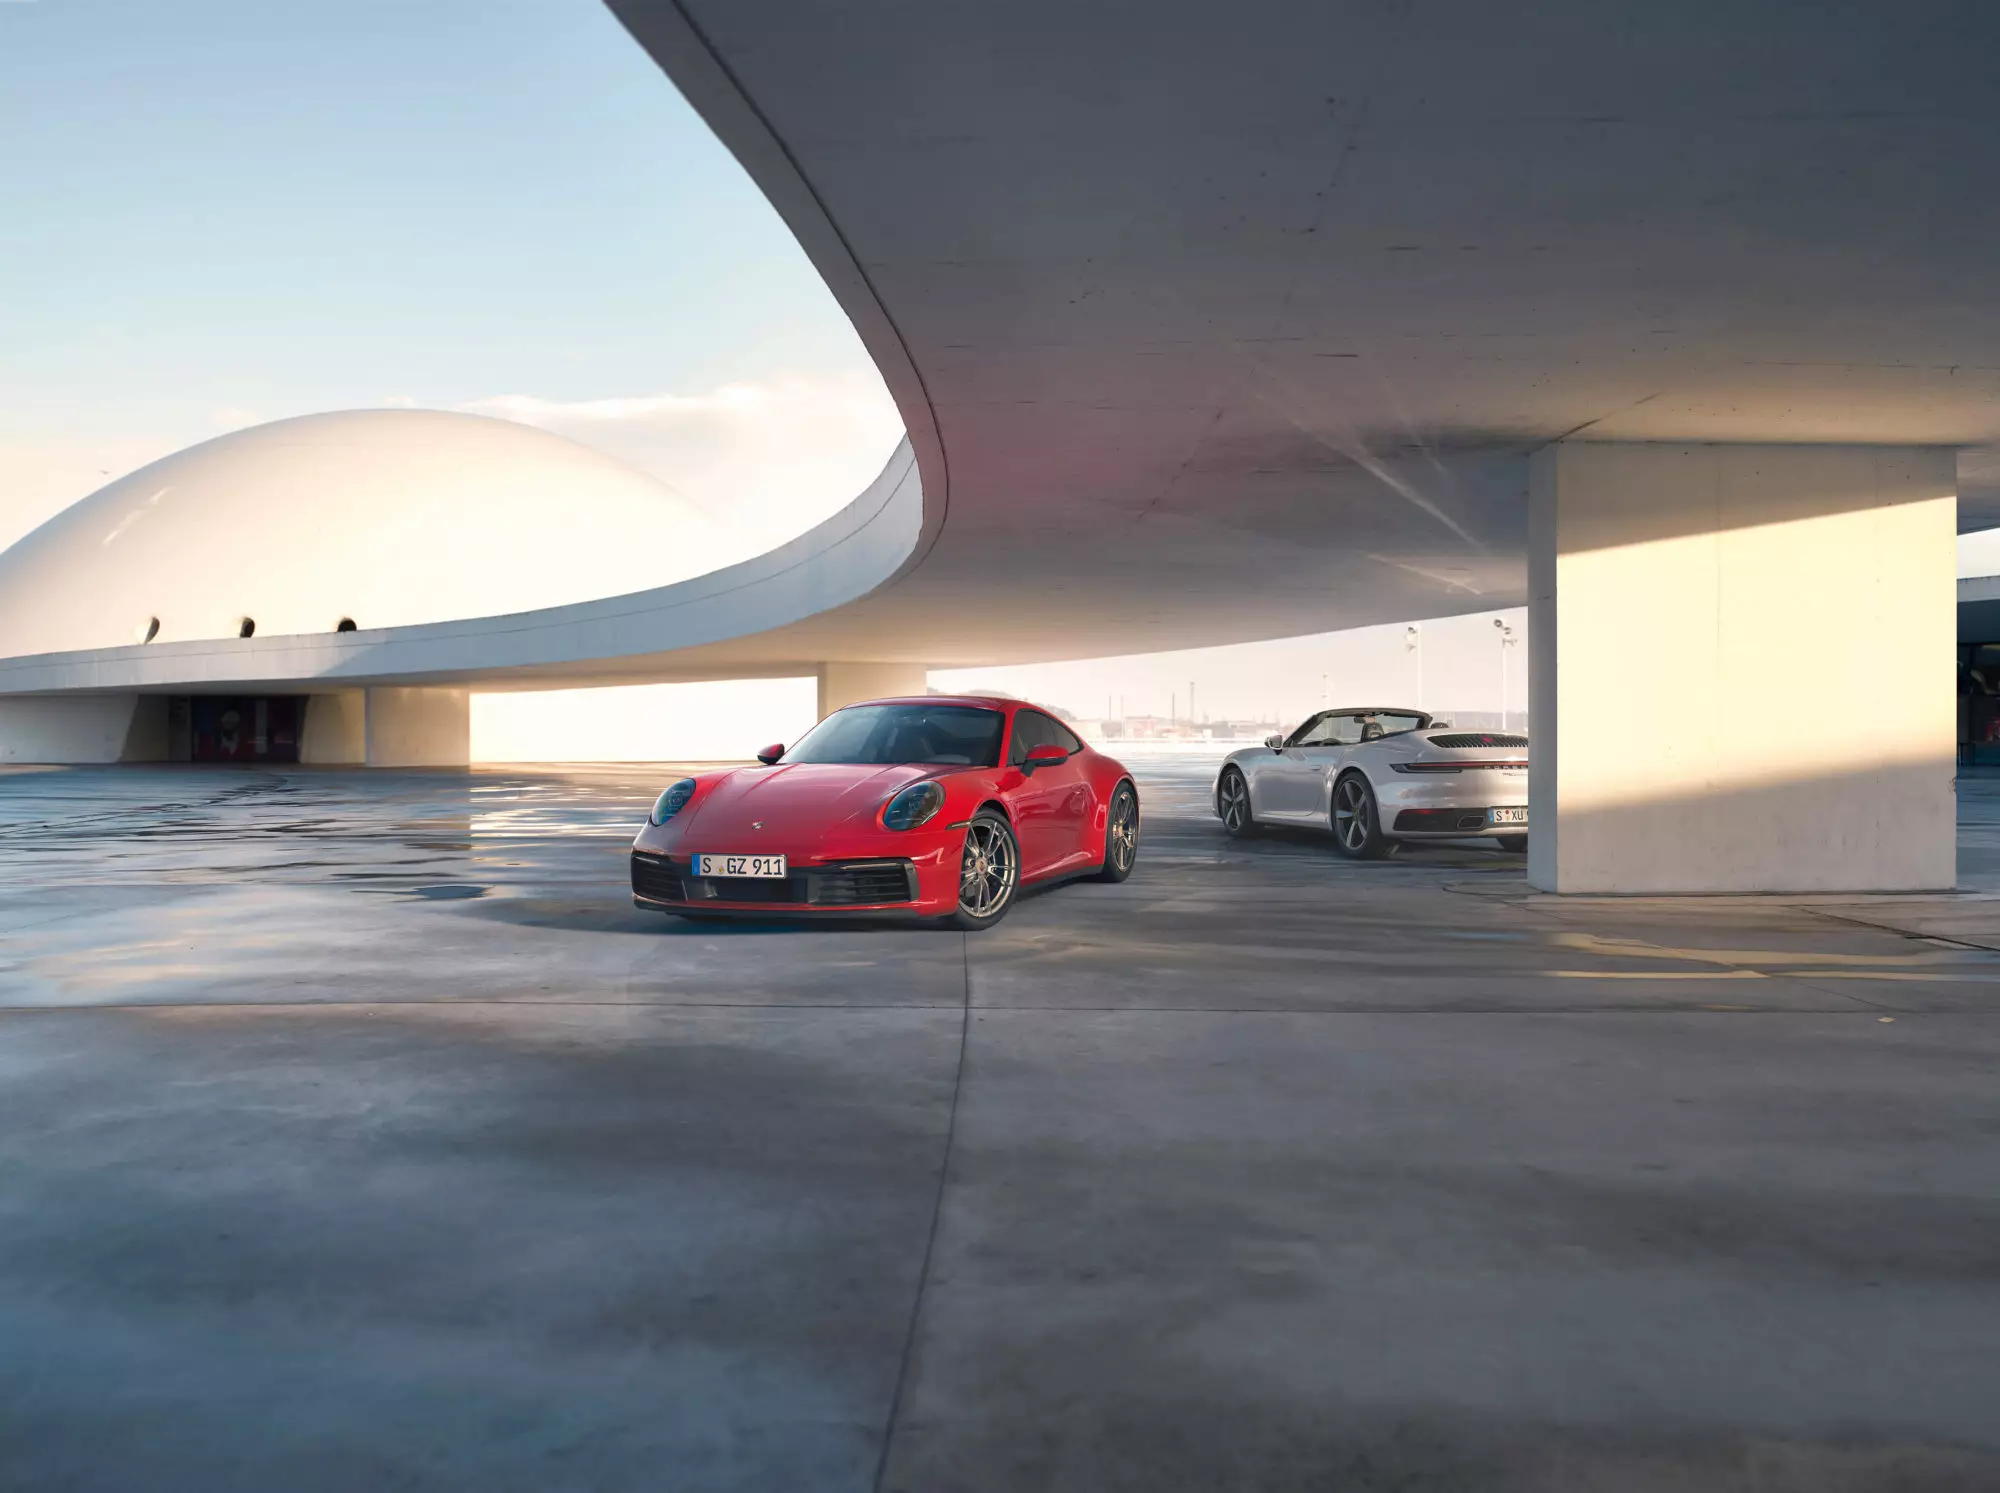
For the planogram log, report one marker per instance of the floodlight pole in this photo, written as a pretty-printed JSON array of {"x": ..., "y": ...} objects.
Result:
[{"x": 1507, "y": 640}]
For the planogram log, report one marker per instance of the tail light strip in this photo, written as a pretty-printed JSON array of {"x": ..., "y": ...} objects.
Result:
[{"x": 1452, "y": 766}]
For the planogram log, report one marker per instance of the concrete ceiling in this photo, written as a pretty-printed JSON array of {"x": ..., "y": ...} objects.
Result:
[{"x": 1220, "y": 322}]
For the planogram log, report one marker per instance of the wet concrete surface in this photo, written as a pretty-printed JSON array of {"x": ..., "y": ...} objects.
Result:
[{"x": 355, "y": 1131}]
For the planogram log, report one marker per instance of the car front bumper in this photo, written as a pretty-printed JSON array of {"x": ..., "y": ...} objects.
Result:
[{"x": 924, "y": 885}]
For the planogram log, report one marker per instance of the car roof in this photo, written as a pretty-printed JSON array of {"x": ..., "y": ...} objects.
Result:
[{"x": 991, "y": 702}]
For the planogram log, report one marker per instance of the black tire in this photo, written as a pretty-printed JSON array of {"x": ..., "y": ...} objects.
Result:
[
  {"x": 1356, "y": 821},
  {"x": 1121, "y": 845},
  {"x": 1513, "y": 844},
  {"x": 989, "y": 840},
  {"x": 1232, "y": 803}
]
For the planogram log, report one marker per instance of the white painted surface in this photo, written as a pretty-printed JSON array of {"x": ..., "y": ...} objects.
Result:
[
  {"x": 845, "y": 683},
  {"x": 386, "y": 517},
  {"x": 1742, "y": 668},
  {"x": 419, "y": 727},
  {"x": 66, "y": 728},
  {"x": 336, "y": 730},
  {"x": 774, "y": 615},
  {"x": 713, "y": 721}
]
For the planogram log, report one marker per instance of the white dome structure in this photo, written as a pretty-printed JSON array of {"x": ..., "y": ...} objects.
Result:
[{"x": 359, "y": 519}]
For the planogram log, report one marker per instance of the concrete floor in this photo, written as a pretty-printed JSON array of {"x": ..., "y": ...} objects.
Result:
[{"x": 355, "y": 1132}]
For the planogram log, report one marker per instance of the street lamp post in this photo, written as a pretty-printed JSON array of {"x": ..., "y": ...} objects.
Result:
[
  {"x": 1413, "y": 640},
  {"x": 1507, "y": 640}
]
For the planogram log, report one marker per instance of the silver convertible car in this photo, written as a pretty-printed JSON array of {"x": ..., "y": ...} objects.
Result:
[{"x": 1378, "y": 777}]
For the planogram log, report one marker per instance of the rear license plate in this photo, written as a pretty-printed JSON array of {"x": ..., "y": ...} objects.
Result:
[
  {"x": 769, "y": 866},
  {"x": 1506, "y": 816}
]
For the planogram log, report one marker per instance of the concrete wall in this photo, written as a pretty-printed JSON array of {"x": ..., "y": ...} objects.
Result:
[
  {"x": 148, "y": 737},
  {"x": 844, "y": 683},
  {"x": 419, "y": 727},
  {"x": 336, "y": 730},
  {"x": 1742, "y": 668},
  {"x": 82, "y": 728}
]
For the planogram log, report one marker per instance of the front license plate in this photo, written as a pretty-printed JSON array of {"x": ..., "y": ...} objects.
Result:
[
  {"x": 1506, "y": 816},
  {"x": 771, "y": 866}
]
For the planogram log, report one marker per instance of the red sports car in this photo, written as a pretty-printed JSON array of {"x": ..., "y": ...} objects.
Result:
[{"x": 938, "y": 806}]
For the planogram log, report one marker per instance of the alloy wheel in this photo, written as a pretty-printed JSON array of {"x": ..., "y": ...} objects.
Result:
[
  {"x": 1350, "y": 814},
  {"x": 1235, "y": 802},
  {"x": 988, "y": 871},
  {"x": 1122, "y": 835}
]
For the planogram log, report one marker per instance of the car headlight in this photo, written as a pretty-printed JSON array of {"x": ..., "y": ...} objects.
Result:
[
  {"x": 915, "y": 805},
  {"x": 672, "y": 801}
]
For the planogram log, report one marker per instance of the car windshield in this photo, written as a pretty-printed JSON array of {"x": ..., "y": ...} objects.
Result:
[
  {"x": 1376, "y": 724},
  {"x": 883, "y": 735},
  {"x": 1352, "y": 727}
]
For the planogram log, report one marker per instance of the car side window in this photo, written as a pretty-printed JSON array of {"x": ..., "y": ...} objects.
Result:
[
  {"x": 1309, "y": 729},
  {"x": 1033, "y": 729},
  {"x": 1028, "y": 734},
  {"x": 1332, "y": 730}
]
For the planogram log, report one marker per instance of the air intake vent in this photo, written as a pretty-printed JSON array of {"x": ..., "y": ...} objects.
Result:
[
  {"x": 860, "y": 884},
  {"x": 1478, "y": 739},
  {"x": 654, "y": 878}
]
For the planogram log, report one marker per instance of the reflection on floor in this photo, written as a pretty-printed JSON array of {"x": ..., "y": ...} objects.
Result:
[{"x": 357, "y": 1132}]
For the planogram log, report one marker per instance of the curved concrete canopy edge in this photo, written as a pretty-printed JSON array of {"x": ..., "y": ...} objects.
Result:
[
  {"x": 676, "y": 44},
  {"x": 741, "y": 621},
  {"x": 1247, "y": 323}
]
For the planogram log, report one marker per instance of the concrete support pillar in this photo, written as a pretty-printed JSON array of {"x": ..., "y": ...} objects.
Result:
[
  {"x": 844, "y": 683},
  {"x": 1742, "y": 668},
  {"x": 83, "y": 729},
  {"x": 419, "y": 727},
  {"x": 336, "y": 730}
]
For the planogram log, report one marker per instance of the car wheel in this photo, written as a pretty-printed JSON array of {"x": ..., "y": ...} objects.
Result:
[
  {"x": 1513, "y": 844},
  {"x": 1121, "y": 834},
  {"x": 1233, "y": 798},
  {"x": 989, "y": 872},
  {"x": 1357, "y": 823}
]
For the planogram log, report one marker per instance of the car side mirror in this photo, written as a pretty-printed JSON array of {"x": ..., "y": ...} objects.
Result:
[
  {"x": 1046, "y": 755},
  {"x": 1274, "y": 742},
  {"x": 771, "y": 753}
]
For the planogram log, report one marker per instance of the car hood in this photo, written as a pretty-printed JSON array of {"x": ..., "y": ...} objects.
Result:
[{"x": 799, "y": 799}]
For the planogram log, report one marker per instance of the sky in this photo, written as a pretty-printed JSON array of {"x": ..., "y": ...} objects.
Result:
[{"x": 221, "y": 212}]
